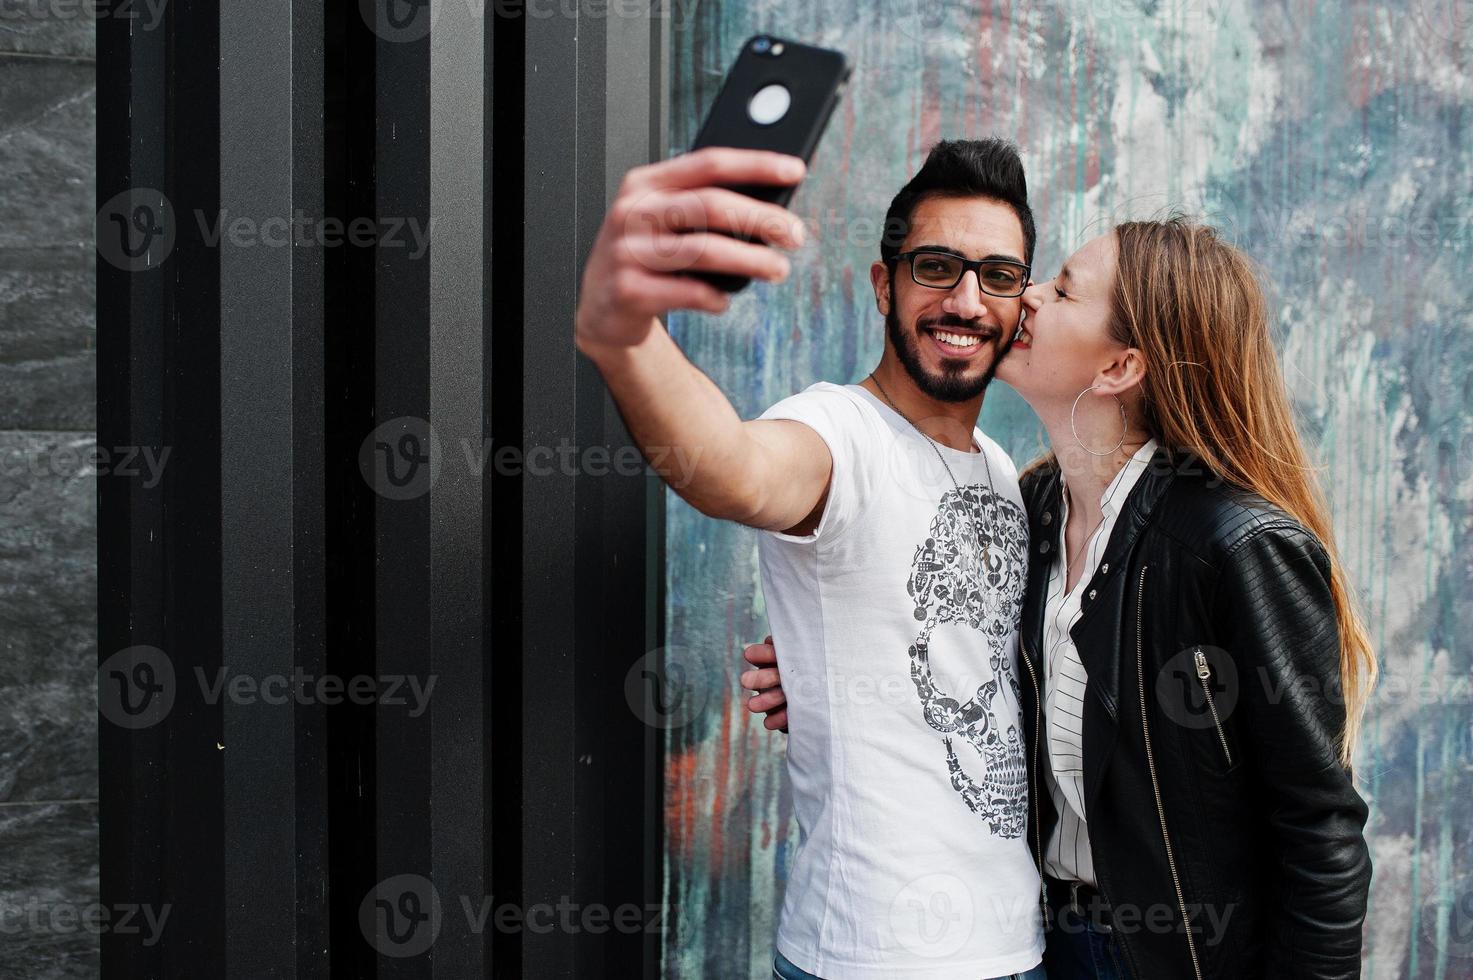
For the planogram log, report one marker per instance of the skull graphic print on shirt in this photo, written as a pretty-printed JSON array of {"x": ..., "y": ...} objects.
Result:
[{"x": 969, "y": 574}]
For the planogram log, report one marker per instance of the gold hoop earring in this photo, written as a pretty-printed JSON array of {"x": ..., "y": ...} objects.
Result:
[{"x": 1124, "y": 425}]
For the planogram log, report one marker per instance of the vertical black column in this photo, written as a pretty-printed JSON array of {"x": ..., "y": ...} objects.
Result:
[
  {"x": 271, "y": 578},
  {"x": 130, "y": 321},
  {"x": 428, "y": 598},
  {"x": 550, "y": 401},
  {"x": 161, "y": 775},
  {"x": 409, "y": 459},
  {"x": 349, "y": 345},
  {"x": 505, "y": 116},
  {"x": 459, "y": 318}
]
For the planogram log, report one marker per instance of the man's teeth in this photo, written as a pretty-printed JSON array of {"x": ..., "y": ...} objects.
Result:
[{"x": 956, "y": 339}]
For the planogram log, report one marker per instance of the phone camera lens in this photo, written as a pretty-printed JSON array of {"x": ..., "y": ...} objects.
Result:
[{"x": 761, "y": 45}]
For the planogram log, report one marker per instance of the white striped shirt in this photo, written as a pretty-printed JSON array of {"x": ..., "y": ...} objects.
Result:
[{"x": 1067, "y": 856}]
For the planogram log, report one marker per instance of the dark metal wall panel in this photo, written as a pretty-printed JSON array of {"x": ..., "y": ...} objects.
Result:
[
  {"x": 131, "y": 316},
  {"x": 505, "y": 118},
  {"x": 550, "y": 398},
  {"x": 639, "y": 62},
  {"x": 309, "y": 544},
  {"x": 457, "y": 568},
  {"x": 621, "y": 537},
  {"x": 190, "y": 532},
  {"x": 160, "y": 772},
  {"x": 402, "y": 592},
  {"x": 350, "y": 548},
  {"x": 585, "y": 533},
  {"x": 200, "y": 806},
  {"x": 271, "y": 479},
  {"x": 282, "y": 378}
]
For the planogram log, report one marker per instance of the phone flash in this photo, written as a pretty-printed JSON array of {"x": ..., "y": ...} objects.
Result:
[{"x": 777, "y": 49}]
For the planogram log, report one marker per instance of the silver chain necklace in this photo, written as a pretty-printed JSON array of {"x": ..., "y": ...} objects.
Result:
[
  {"x": 1064, "y": 531},
  {"x": 1064, "y": 590},
  {"x": 991, "y": 493}
]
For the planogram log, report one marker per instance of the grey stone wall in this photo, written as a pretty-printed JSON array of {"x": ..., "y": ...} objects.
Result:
[{"x": 48, "y": 581}]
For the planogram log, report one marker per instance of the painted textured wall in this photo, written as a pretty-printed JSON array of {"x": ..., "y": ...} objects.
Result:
[{"x": 1334, "y": 142}]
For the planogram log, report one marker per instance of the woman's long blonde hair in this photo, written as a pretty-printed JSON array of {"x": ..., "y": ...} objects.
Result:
[{"x": 1194, "y": 306}]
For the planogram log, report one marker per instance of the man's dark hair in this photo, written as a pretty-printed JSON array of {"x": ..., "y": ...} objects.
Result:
[{"x": 962, "y": 168}]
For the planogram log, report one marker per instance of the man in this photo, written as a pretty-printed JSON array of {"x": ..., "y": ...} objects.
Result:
[{"x": 894, "y": 546}]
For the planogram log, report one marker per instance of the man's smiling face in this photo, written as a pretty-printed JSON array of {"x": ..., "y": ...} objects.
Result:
[{"x": 951, "y": 340}]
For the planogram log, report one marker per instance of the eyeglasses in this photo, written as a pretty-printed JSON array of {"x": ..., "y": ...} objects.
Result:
[{"x": 942, "y": 270}]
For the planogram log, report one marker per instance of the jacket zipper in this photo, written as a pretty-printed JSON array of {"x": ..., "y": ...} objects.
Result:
[
  {"x": 1140, "y": 676},
  {"x": 1204, "y": 675},
  {"x": 1032, "y": 774}
]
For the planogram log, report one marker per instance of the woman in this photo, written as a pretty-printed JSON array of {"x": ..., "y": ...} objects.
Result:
[{"x": 1198, "y": 668}]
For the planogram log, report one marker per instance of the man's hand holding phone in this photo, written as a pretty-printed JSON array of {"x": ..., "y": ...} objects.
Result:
[{"x": 673, "y": 217}]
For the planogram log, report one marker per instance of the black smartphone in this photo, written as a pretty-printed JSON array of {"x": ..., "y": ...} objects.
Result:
[{"x": 778, "y": 96}]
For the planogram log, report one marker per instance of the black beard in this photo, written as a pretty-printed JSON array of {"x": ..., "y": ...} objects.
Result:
[{"x": 951, "y": 385}]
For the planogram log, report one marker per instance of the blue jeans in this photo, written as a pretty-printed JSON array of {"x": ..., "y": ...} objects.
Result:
[
  {"x": 783, "y": 969},
  {"x": 1081, "y": 946}
]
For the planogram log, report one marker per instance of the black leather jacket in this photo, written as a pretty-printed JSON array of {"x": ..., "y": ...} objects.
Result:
[{"x": 1231, "y": 810}]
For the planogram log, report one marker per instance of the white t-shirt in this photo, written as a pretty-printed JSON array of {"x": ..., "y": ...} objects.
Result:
[{"x": 898, "y": 644}]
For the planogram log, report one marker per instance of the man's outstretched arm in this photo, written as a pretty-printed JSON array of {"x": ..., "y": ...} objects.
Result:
[{"x": 667, "y": 219}]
